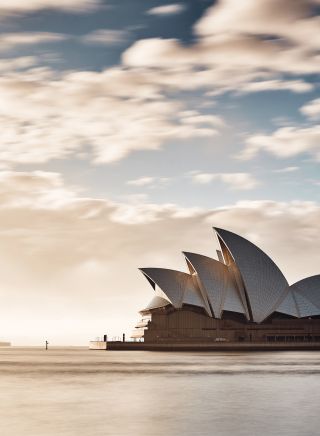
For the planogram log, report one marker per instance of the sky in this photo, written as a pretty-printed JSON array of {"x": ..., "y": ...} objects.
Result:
[{"x": 129, "y": 129}]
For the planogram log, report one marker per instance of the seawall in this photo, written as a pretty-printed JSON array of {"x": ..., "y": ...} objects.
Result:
[{"x": 142, "y": 346}]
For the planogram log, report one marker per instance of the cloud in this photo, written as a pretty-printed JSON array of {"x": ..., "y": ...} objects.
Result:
[
  {"x": 59, "y": 249},
  {"x": 149, "y": 181},
  {"x": 110, "y": 113},
  {"x": 11, "y": 40},
  {"x": 286, "y": 170},
  {"x": 285, "y": 142},
  {"x": 312, "y": 109},
  {"x": 18, "y": 63},
  {"x": 239, "y": 181},
  {"x": 297, "y": 86},
  {"x": 171, "y": 9},
  {"x": 240, "y": 46},
  {"x": 38, "y": 190},
  {"x": 192, "y": 117},
  {"x": 296, "y": 24},
  {"x": 238, "y": 65},
  {"x": 106, "y": 37},
  {"x": 22, "y": 6},
  {"x": 142, "y": 181}
]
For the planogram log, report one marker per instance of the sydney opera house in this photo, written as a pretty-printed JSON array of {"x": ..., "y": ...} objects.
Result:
[{"x": 241, "y": 297}]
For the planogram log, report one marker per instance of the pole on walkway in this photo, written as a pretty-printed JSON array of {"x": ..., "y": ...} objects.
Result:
[{"x": 47, "y": 343}]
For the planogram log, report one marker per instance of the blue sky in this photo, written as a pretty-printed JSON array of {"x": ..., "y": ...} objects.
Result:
[
  {"x": 122, "y": 121},
  {"x": 244, "y": 113}
]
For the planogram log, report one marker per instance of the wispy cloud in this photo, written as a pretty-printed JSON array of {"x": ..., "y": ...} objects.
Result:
[
  {"x": 149, "y": 181},
  {"x": 239, "y": 181},
  {"x": 285, "y": 142},
  {"x": 120, "y": 113},
  {"x": 11, "y": 40},
  {"x": 106, "y": 37},
  {"x": 312, "y": 109},
  {"x": 232, "y": 52},
  {"x": 286, "y": 170},
  {"x": 192, "y": 117},
  {"x": 22, "y": 6},
  {"x": 290, "y": 21},
  {"x": 171, "y": 9},
  {"x": 297, "y": 86},
  {"x": 18, "y": 63}
]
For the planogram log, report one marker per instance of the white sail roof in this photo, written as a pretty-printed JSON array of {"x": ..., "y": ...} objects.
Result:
[
  {"x": 309, "y": 288},
  {"x": 155, "y": 303},
  {"x": 216, "y": 284},
  {"x": 264, "y": 283},
  {"x": 306, "y": 297},
  {"x": 179, "y": 287},
  {"x": 288, "y": 305}
]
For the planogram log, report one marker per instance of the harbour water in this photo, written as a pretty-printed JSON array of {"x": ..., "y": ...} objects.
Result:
[{"x": 77, "y": 392}]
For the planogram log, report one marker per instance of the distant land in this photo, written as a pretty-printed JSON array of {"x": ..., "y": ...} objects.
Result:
[{"x": 5, "y": 344}]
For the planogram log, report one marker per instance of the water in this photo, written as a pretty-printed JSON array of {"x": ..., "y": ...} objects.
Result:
[{"x": 77, "y": 392}]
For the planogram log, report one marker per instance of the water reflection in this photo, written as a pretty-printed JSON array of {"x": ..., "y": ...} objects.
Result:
[{"x": 89, "y": 393}]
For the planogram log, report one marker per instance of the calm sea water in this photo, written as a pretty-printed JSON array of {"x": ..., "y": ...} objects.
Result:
[{"x": 77, "y": 392}]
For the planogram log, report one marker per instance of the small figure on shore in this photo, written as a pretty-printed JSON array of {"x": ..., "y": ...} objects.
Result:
[{"x": 47, "y": 343}]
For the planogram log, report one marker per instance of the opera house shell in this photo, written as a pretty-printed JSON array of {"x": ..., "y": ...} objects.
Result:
[{"x": 241, "y": 296}]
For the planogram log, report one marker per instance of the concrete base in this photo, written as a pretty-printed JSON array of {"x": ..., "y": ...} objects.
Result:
[
  {"x": 97, "y": 345},
  {"x": 142, "y": 346}
]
